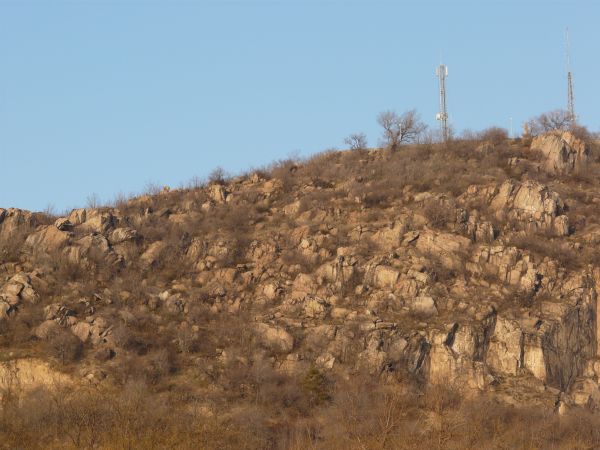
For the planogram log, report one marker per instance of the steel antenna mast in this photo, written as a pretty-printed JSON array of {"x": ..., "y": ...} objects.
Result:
[
  {"x": 570, "y": 96},
  {"x": 442, "y": 116}
]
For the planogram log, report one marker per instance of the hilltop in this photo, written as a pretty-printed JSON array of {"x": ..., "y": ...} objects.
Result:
[{"x": 426, "y": 295}]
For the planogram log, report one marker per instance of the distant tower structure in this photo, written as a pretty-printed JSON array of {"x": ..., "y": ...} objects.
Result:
[
  {"x": 442, "y": 116},
  {"x": 570, "y": 96}
]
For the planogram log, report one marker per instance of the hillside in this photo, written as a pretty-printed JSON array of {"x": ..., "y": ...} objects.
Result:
[{"x": 436, "y": 296}]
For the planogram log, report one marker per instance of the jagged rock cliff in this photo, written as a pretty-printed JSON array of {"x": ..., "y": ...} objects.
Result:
[{"x": 485, "y": 283}]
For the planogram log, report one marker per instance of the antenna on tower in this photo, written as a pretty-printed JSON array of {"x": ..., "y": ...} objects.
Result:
[
  {"x": 442, "y": 116},
  {"x": 570, "y": 96}
]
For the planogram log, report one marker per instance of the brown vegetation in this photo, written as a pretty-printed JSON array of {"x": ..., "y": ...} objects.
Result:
[{"x": 276, "y": 309}]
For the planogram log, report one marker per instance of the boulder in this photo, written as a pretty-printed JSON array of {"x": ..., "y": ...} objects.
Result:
[
  {"x": 423, "y": 305},
  {"x": 4, "y": 310},
  {"x": 17, "y": 289},
  {"x": 120, "y": 235},
  {"x": 275, "y": 338},
  {"x": 292, "y": 209},
  {"x": 77, "y": 216},
  {"x": 63, "y": 224},
  {"x": 532, "y": 204},
  {"x": 11, "y": 293},
  {"x": 225, "y": 276},
  {"x": 217, "y": 193},
  {"x": 563, "y": 152},
  {"x": 99, "y": 331},
  {"x": 48, "y": 238},
  {"x": 82, "y": 330},
  {"x": 385, "y": 277},
  {"x": 303, "y": 284},
  {"x": 390, "y": 237},
  {"x": 272, "y": 186},
  {"x": 271, "y": 291},
  {"x": 29, "y": 295},
  {"x": 504, "y": 352},
  {"x": 92, "y": 220},
  {"x": 316, "y": 308},
  {"x": 529, "y": 197},
  {"x": 152, "y": 253},
  {"x": 46, "y": 329},
  {"x": 13, "y": 219},
  {"x": 444, "y": 246},
  {"x": 58, "y": 313}
]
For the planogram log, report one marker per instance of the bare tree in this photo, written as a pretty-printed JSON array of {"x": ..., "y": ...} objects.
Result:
[
  {"x": 400, "y": 129},
  {"x": 559, "y": 119},
  {"x": 93, "y": 201},
  {"x": 356, "y": 141},
  {"x": 65, "y": 346},
  {"x": 217, "y": 176}
]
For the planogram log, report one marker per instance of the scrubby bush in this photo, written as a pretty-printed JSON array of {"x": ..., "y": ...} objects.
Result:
[
  {"x": 495, "y": 135},
  {"x": 64, "y": 346},
  {"x": 217, "y": 176},
  {"x": 356, "y": 141}
]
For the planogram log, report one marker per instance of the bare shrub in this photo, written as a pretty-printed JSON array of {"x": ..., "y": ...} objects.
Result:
[
  {"x": 439, "y": 213},
  {"x": 316, "y": 386},
  {"x": 291, "y": 257},
  {"x": 11, "y": 247},
  {"x": 158, "y": 365},
  {"x": 495, "y": 135},
  {"x": 356, "y": 141},
  {"x": 16, "y": 331},
  {"x": 217, "y": 176},
  {"x": 65, "y": 346},
  {"x": 93, "y": 201},
  {"x": 284, "y": 170},
  {"x": 542, "y": 246}
]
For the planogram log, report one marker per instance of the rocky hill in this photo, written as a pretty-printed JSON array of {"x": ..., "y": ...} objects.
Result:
[{"x": 359, "y": 299}]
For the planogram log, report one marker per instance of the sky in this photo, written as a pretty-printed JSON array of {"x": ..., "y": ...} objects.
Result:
[{"x": 105, "y": 97}]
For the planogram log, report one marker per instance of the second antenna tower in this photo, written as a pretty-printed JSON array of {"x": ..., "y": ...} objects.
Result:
[
  {"x": 442, "y": 116},
  {"x": 570, "y": 96}
]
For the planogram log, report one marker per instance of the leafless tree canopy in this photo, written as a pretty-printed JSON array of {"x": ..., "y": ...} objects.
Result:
[
  {"x": 400, "y": 129},
  {"x": 559, "y": 119},
  {"x": 356, "y": 141}
]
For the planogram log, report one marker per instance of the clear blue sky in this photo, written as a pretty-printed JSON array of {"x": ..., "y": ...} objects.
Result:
[{"x": 105, "y": 96}]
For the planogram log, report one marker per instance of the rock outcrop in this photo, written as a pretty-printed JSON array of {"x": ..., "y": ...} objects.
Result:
[
  {"x": 562, "y": 151},
  {"x": 528, "y": 205},
  {"x": 444, "y": 284}
]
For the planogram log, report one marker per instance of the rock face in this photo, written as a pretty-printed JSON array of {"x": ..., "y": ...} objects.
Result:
[
  {"x": 91, "y": 220},
  {"x": 529, "y": 205},
  {"x": 529, "y": 198},
  {"x": 385, "y": 277},
  {"x": 48, "y": 239},
  {"x": 30, "y": 374},
  {"x": 443, "y": 245},
  {"x": 444, "y": 287},
  {"x": 275, "y": 338},
  {"x": 563, "y": 152},
  {"x": 12, "y": 220},
  {"x": 17, "y": 290}
]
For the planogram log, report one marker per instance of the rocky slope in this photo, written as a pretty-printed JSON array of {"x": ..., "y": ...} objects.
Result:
[{"x": 464, "y": 265}]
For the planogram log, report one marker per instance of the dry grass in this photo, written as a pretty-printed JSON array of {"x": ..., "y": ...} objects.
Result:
[
  {"x": 276, "y": 412},
  {"x": 168, "y": 368}
]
